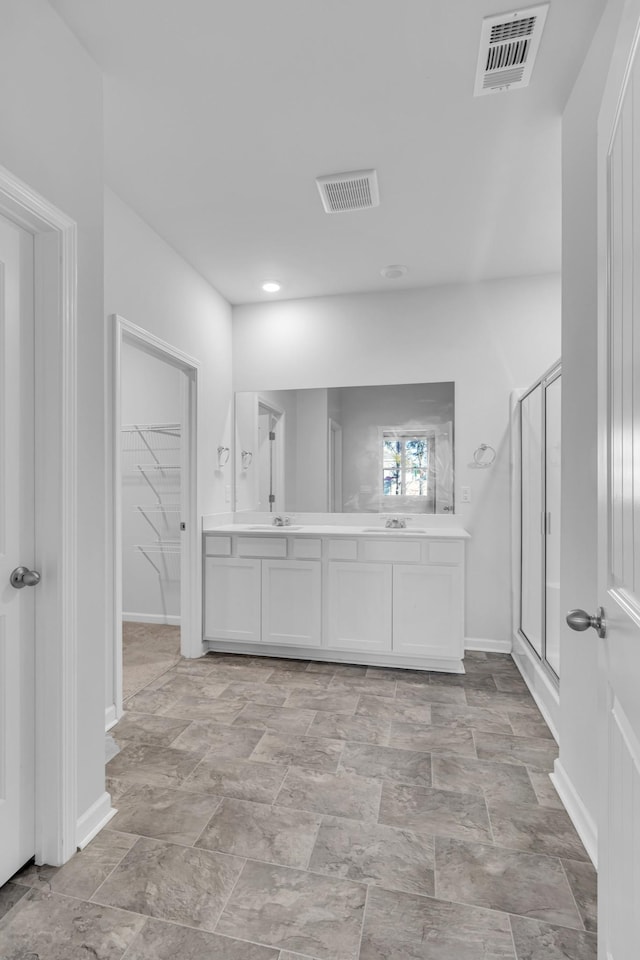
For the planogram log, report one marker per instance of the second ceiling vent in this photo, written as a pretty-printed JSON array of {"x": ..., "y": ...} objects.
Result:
[
  {"x": 508, "y": 46},
  {"x": 343, "y": 192}
]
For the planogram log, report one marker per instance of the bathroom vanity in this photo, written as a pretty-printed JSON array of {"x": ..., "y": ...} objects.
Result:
[{"x": 353, "y": 594}]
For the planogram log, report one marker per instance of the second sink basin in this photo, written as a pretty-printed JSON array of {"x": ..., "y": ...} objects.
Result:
[
  {"x": 394, "y": 530},
  {"x": 274, "y": 527}
]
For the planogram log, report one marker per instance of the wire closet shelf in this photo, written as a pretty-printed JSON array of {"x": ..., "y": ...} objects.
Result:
[{"x": 151, "y": 453}]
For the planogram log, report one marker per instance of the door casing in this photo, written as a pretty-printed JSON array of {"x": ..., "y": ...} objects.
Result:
[
  {"x": 55, "y": 270},
  {"x": 124, "y": 331}
]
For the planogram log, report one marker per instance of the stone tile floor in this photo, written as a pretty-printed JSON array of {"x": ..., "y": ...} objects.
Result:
[{"x": 282, "y": 810}]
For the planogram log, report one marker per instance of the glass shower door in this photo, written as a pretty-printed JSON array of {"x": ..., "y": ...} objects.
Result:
[
  {"x": 531, "y": 621},
  {"x": 552, "y": 538},
  {"x": 540, "y": 518}
]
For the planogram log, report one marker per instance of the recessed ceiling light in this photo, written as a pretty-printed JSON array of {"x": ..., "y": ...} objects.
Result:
[
  {"x": 394, "y": 271},
  {"x": 271, "y": 286}
]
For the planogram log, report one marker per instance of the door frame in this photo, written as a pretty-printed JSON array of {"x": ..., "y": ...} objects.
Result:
[
  {"x": 55, "y": 310},
  {"x": 124, "y": 331},
  {"x": 278, "y": 461}
]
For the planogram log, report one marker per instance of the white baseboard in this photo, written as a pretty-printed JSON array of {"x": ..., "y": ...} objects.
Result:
[
  {"x": 487, "y": 645},
  {"x": 169, "y": 619},
  {"x": 580, "y": 817},
  {"x": 110, "y": 717},
  {"x": 93, "y": 820},
  {"x": 542, "y": 689}
]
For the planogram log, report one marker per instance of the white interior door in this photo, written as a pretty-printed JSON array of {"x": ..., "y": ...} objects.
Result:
[
  {"x": 17, "y": 548},
  {"x": 619, "y": 496}
]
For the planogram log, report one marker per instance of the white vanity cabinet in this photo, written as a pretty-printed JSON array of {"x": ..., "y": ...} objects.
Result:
[
  {"x": 428, "y": 614},
  {"x": 374, "y": 598},
  {"x": 358, "y": 606},
  {"x": 291, "y": 602},
  {"x": 258, "y": 595},
  {"x": 232, "y": 602}
]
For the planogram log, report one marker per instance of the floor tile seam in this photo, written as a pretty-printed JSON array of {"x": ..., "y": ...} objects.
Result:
[
  {"x": 155, "y": 743},
  {"x": 149, "y": 836},
  {"x": 167, "y": 843},
  {"x": 5, "y": 921},
  {"x": 513, "y": 938},
  {"x": 312, "y": 848},
  {"x": 369, "y": 743},
  {"x": 285, "y": 733},
  {"x": 501, "y": 848},
  {"x": 295, "y": 809},
  {"x": 362, "y": 922},
  {"x": 573, "y": 896},
  {"x": 217, "y": 807},
  {"x": 186, "y": 926},
  {"x": 418, "y": 834},
  {"x": 204, "y": 758},
  {"x": 382, "y": 780},
  {"x": 311, "y": 722},
  {"x": 114, "y": 867},
  {"x": 478, "y": 906},
  {"x": 491, "y": 830}
]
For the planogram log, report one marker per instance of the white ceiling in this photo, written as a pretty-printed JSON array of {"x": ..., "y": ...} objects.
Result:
[{"x": 219, "y": 116}]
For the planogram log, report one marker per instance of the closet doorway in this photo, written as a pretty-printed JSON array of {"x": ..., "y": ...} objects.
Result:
[{"x": 155, "y": 523}]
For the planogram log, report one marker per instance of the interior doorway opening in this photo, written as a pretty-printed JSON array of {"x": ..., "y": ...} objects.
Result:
[
  {"x": 155, "y": 534},
  {"x": 151, "y": 431}
]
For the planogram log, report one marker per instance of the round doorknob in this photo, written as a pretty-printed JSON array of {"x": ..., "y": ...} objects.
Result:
[
  {"x": 23, "y": 577},
  {"x": 581, "y": 620}
]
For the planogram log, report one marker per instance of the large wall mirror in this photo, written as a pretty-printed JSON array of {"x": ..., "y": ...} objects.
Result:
[{"x": 377, "y": 449}]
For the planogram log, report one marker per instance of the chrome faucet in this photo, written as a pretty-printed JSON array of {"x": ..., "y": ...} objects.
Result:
[
  {"x": 280, "y": 521},
  {"x": 396, "y": 523}
]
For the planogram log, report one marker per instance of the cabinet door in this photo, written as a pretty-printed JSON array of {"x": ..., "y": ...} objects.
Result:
[
  {"x": 359, "y": 606},
  {"x": 232, "y": 599},
  {"x": 291, "y": 604},
  {"x": 428, "y": 611}
]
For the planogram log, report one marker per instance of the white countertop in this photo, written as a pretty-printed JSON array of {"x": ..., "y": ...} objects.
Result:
[{"x": 409, "y": 532}]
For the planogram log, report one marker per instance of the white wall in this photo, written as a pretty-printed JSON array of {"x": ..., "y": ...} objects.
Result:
[
  {"x": 150, "y": 285},
  {"x": 578, "y": 652},
  {"x": 150, "y": 394},
  {"x": 51, "y": 137},
  {"x": 489, "y": 338}
]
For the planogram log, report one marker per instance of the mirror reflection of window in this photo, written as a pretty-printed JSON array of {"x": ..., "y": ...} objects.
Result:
[{"x": 406, "y": 460}]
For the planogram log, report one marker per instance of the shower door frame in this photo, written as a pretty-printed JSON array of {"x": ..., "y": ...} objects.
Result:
[{"x": 550, "y": 376}]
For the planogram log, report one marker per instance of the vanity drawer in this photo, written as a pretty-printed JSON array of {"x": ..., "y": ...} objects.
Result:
[
  {"x": 217, "y": 546},
  {"x": 443, "y": 552},
  {"x": 262, "y": 547},
  {"x": 304, "y": 548},
  {"x": 342, "y": 549},
  {"x": 390, "y": 551}
]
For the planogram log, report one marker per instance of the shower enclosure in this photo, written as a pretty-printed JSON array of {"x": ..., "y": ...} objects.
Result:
[{"x": 538, "y": 423}]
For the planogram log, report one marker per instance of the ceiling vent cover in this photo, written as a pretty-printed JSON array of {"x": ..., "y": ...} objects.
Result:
[
  {"x": 508, "y": 46},
  {"x": 342, "y": 192}
]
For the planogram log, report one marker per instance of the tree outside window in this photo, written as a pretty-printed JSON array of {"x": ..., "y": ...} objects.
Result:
[{"x": 407, "y": 464}]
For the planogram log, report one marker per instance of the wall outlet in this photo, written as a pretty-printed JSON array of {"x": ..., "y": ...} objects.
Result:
[{"x": 465, "y": 494}]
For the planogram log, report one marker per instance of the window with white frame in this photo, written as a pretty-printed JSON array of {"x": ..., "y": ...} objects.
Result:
[{"x": 408, "y": 468}]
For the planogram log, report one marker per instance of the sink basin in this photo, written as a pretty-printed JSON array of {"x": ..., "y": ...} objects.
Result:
[
  {"x": 394, "y": 530},
  {"x": 274, "y": 528}
]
